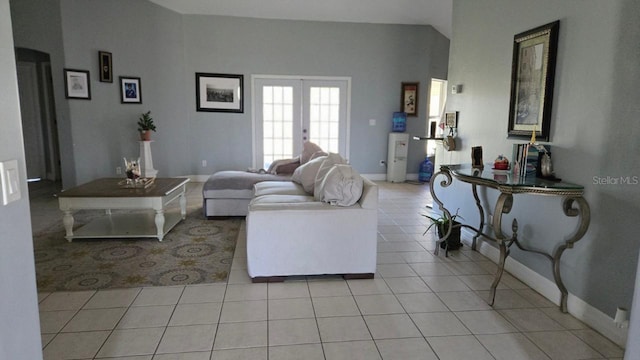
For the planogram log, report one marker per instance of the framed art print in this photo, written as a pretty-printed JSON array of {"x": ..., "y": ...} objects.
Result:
[
  {"x": 105, "y": 66},
  {"x": 532, "y": 78},
  {"x": 77, "y": 84},
  {"x": 219, "y": 92},
  {"x": 130, "y": 90},
  {"x": 409, "y": 101}
]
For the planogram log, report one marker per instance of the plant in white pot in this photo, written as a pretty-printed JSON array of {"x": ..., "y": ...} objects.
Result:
[{"x": 146, "y": 126}]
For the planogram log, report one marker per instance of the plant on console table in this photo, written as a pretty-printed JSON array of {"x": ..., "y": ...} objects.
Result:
[
  {"x": 442, "y": 223},
  {"x": 146, "y": 126}
]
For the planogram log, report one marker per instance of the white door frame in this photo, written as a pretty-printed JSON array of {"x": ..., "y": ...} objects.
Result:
[{"x": 254, "y": 103}]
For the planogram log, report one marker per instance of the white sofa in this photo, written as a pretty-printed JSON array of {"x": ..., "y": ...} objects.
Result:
[{"x": 291, "y": 232}]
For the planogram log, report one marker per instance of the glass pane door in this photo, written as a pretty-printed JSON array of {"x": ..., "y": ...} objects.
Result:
[{"x": 289, "y": 112}]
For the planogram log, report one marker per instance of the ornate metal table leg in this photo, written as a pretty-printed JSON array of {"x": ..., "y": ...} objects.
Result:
[
  {"x": 447, "y": 215},
  {"x": 481, "y": 211},
  {"x": 585, "y": 217},
  {"x": 503, "y": 206}
]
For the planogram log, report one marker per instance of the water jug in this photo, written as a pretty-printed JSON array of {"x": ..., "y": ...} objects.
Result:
[
  {"x": 426, "y": 170},
  {"x": 399, "y": 122}
]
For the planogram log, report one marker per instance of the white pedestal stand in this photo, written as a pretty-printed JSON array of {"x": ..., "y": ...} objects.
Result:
[{"x": 146, "y": 162}]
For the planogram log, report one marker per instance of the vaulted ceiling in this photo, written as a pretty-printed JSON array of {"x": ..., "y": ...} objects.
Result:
[{"x": 436, "y": 13}]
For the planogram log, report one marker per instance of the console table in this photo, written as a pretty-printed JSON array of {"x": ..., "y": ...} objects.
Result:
[{"x": 507, "y": 184}]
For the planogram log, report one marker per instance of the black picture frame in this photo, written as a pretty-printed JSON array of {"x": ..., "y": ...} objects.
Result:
[
  {"x": 532, "y": 81},
  {"x": 409, "y": 98},
  {"x": 77, "y": 84},
  {"x": 219, "y": 92},
  {"x": 106, "y": 69},
  {"x": 130, "y": 90}
]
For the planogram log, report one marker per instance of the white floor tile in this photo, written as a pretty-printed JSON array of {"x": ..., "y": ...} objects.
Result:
[
  {"x": 458, "y": 347},
  {"x": 130, "y": 342},
  {"x": 201, "y": 355},
  {"x": 194, "y": 294},
  {"x": 601, "y": 344},
  {"x": 530, "y": 320},
  {"x": 463, "y": 301},
  {"x": 439, "y": 324},
  {"x": 485, "y": 322},
  {"x": 344, "y": 328},
  {"x": 351, "y": 350},
  {"x": 403, "y": 349},
  {"x": 244, "y": 292},
  {"x": 297, "y": 308},
  {"x": 237, "y": 311},
  {"x": 335, "y": 306},
  {"x": 403, "y": 285},
  {"x": 71, "y": 300},
  {"x": 112, "y": 298},
  {"x": 161, "y": 295},
  {"x": 368, "y": 286},
  {"x": 146, "y": 317},
  {"x": 562, "y": 345},
  {"x": 180, "y": 339},
  {"x": 95, "y": 319},
  {"x": 378, "y": 304},
  {"x": 294, "y": 331},
  {"x": 391, "y": 326},
  {"x": 196, "y": 314},
  {"x": 445, "y": 283},
  {"x": 295, "y": 352},
  {"x": 257, "y": 353},
  {"x": 395, "y": 270},
  {"x": 329, "y": 288},
  {"x": 288, "y": 290},
  {"x": 241, "y": 335},
  {"x": 83, "y": 345},
  {"x": 52, "y": 322},
  {"x": 421, "y": 302},
  {"x": 514, "y": 346}
]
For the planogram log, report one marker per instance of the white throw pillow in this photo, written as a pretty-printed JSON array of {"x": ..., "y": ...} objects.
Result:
[
  {"x": 326, "y": 165},
  {"x": 305, "y": 174},
  {"x": 342, "y": 186},
  {"x": 308, "y": 149}
]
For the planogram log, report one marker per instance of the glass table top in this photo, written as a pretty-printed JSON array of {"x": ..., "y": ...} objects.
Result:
[{"x": 505, "y": 178}]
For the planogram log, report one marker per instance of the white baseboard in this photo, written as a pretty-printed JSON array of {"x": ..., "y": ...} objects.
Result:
[
  {"x": 383, "y": 177},
  {"x": 198, "y": 178},
  {"x": 577, "y": 307}
]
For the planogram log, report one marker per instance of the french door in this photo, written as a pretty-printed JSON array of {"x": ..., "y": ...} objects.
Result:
[{"x": 291, "y": 111}]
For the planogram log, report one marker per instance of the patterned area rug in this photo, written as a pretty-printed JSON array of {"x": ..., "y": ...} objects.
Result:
[{"x": 196, "y": 250}]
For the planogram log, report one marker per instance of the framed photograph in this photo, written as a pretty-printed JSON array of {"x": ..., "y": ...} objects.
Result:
[
  {"x": 532, "y": 77},
  {"x": 451, "y": 119},
  {"x": 130, "y": 90},
  {"x": 77, "y": 84},
  {"x": 219, "y": 92},
  {"x": 105, "y": 66},
  {"x": 409, "y": 101}
]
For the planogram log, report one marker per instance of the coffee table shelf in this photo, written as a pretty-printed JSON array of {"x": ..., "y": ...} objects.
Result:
[{"x": 133, "y": 225}]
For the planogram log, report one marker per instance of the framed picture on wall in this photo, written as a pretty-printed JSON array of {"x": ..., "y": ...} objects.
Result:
[
  {"x": 532, "y": 78},
  {"x": 130, "y": 90},
  {"x": 219, "y": 92},
  {"x": 409, "y": 100},
  {"x": 105, "y": 66},
  {"x": 77, "y": 84}
]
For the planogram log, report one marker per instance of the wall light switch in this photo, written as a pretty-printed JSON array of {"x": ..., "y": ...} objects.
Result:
[{"x": 10, "y": 181}]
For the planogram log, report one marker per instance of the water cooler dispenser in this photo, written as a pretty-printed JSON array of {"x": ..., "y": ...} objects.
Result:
[{"x": 397, "y": 157}]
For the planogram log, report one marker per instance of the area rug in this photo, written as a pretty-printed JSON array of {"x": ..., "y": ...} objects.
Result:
[{"x": 196, "y": 250}]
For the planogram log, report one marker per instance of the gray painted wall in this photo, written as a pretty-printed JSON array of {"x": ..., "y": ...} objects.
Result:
[
  {"x": 165, "y": 49},
  {"x": 594, "y": 131},
  {"x": 20, "y": 330}
]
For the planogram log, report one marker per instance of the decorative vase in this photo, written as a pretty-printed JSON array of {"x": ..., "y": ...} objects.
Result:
[{"x": 145, "y": 135}]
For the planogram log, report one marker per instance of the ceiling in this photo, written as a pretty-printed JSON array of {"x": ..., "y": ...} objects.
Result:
[{"x": 436, "y": 13}]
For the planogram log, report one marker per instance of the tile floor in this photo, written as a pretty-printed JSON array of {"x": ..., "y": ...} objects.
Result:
[{"x": 419, "y": 306}]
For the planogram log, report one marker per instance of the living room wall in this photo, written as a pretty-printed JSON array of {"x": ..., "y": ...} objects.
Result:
[
  {"x": 594, "y": 131},
  {"x": 20, "y": 331},
  {"x": 165, "y": 49}
]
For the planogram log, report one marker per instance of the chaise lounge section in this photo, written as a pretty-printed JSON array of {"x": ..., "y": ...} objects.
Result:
[{"x": 331, "y": 229}]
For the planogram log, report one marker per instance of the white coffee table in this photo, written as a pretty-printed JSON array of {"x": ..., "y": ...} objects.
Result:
[{"x": 107, "y": 194}]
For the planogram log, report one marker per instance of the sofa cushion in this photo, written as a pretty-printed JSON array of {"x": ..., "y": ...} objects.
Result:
[
  {"x": 305, "y": 174},
  {"x": 284, "y": 166},
  {"x": 308, "y": 149},
  {"x": 324, "y": 168},
  {"x": 277, "y": 188},
  {"x": 341, "y": 186}
]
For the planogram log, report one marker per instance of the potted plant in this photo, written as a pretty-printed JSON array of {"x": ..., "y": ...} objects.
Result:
[
  {"x": 146, "y": 126},
  {"x": 442, "y": 223}
]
